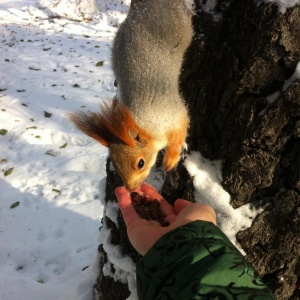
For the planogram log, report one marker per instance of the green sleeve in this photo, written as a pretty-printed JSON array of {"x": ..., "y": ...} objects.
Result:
[{"x": 197, "y": 261}]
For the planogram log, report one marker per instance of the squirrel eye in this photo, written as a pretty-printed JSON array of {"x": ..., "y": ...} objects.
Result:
[{"x": 141, "y": 163}]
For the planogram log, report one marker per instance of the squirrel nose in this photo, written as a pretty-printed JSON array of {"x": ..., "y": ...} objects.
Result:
[{"x": 130, "y": 186}]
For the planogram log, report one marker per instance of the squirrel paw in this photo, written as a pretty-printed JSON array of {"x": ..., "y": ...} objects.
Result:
[{"x": 171, "y": 159}]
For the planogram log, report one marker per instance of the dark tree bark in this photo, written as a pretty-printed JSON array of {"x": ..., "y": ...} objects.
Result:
[{"x": 245, "y": 110}]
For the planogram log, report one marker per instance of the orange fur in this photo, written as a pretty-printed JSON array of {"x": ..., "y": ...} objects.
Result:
[
  {"x": 119, "y": 121},
  {"x": 114, "y": 123},
  {"x": 176, "y": 140}
]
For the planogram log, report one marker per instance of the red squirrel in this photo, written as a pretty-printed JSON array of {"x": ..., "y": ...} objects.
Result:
[{"x": 148, "y": 112}]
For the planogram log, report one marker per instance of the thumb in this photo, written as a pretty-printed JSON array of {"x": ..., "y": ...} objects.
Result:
[{"x": 180, "y": 204}]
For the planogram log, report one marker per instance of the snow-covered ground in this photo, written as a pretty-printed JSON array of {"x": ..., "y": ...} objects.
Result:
[
  {"x": 52, "y": 176},
  {"x": 52, "y": 179}
]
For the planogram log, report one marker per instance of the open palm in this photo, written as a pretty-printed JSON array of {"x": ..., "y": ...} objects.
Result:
[{"x": 143, "y": 233}]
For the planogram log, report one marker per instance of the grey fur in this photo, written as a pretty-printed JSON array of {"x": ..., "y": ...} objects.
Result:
[{"x": 147, "y": 57}]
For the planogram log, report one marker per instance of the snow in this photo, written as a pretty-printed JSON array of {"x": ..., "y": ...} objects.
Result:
[
  {"x": 55, "y": 59},
  {"x": 209, "y": 6},
  {"x": 284, "y": 4},
  {"x": 293, "y": 78},
  {"x": 49, "y": 237},
  {"x": 287, "y": 83}
]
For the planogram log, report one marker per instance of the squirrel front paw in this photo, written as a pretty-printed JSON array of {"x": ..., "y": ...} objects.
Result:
[{"x": 171, "y": 158}]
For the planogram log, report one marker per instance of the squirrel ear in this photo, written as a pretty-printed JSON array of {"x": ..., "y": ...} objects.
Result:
[
  {"x": 113, "y": 124},
  {"x": 120, "y": 122},
  {"x": 91, "y": 124},
  {"x": 138, "y": 137}
]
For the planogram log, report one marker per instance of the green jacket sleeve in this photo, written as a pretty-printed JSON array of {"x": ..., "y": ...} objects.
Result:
[{"x": 197, "y": 261}]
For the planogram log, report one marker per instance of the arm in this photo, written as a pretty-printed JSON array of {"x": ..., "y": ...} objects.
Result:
[
  {"x": 197, "y": 261},
  {"x": 189, "y": 259}
]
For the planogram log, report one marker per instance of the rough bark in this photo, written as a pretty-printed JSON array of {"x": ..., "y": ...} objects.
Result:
[
  {"x": 245, "y": 109},
  {"x": 273, "y": 244}
]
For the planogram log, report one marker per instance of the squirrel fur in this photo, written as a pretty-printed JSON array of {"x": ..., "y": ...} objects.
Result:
[{"x": 148, "y": 112}]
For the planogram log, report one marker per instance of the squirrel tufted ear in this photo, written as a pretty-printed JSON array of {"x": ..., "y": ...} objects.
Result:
[
  {"x": 113, "y": 123},
  {"x": 139, "y": 137},
  {"x": 120, "y": 122},
  {"x": 91, "y": 124}
]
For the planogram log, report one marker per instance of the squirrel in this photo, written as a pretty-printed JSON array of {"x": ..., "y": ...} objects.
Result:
[{"x": 148, "y": 112}]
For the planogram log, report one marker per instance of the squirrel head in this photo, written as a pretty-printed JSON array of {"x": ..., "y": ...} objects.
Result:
[{"x": 131, "y": 149}]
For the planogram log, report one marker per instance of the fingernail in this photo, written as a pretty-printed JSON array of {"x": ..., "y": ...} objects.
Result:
[{"x": 120, "y": 190}]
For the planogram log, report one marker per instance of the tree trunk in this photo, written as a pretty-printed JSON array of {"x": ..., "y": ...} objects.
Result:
[{"x": 243, "y": 94}]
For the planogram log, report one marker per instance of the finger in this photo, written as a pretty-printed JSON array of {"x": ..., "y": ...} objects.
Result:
[
  {"x": 166, "y": 208},
  {"x": 180, "y": 204},
  {"x": 124, "y": 195},
  {"x": 150, "y": 191},
  {"x": 128, "y": 212}
]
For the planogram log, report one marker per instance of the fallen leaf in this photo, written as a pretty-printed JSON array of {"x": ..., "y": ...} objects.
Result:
[
  {"x": 15, "y": 204},
  {"x": 47, "y": 114},
  {"x": 3, "y": 131},
  {"x": 56, "y": 191},
  {"x": 34, "y": 69},
  {"x": 8, "y": 172},
  {"x": 63, "y": 146},
  {"x": 51, "y": 153},
  {"x": 100, "y": 63}
]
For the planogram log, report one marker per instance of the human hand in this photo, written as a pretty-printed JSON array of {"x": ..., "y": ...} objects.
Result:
[{"x": 142, "y": 233}]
